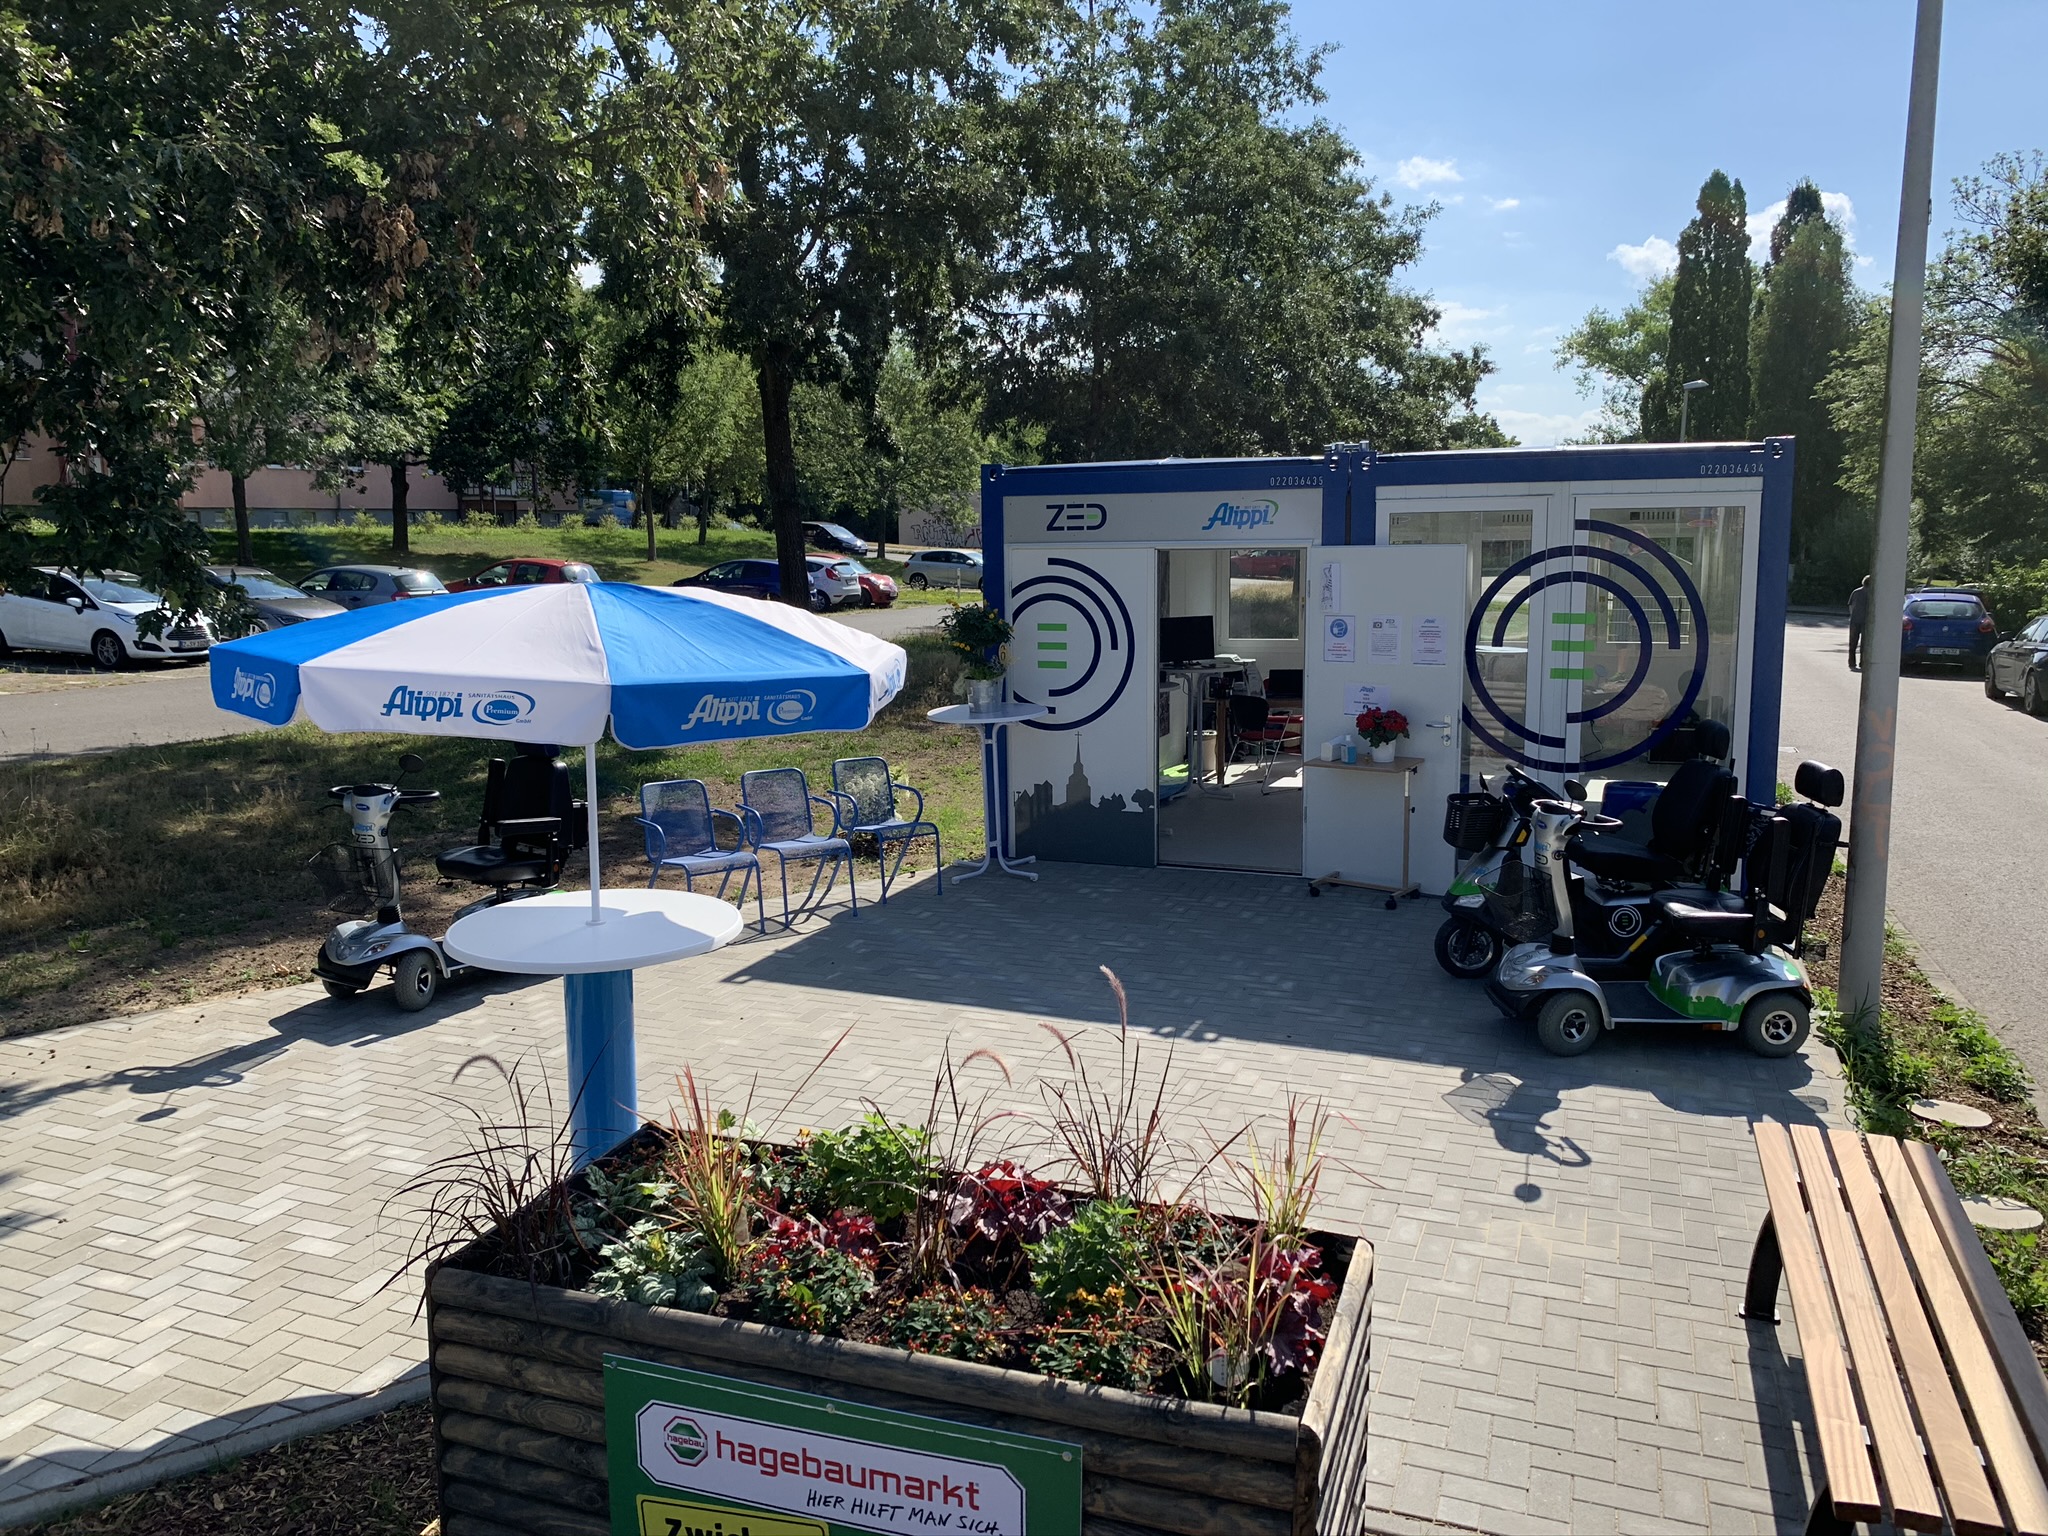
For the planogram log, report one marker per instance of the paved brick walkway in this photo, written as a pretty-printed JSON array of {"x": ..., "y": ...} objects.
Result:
[{"x": 194, "y": 1233}]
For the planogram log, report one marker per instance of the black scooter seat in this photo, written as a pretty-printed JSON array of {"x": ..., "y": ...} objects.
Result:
[
  {"x": 485, "y": 865},
  {"x": 1708, "y": 924},
  {"x": 1617, "y": 858}
]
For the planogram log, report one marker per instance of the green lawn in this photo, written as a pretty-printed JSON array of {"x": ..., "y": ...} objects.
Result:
[
  {"x": 452, "y": 550},
  {"x": 156, "y": 875}
]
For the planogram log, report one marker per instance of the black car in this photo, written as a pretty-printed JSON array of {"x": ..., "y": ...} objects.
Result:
[
  {"x": 1946, "y": 626},
  {"x": 275, "y": 603},
  {"x": 2020, "y": 666},
  {"x": 836, "y": 539}
]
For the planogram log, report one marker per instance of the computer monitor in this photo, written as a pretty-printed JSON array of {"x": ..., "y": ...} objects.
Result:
[{"x": 1186, "y": 639}]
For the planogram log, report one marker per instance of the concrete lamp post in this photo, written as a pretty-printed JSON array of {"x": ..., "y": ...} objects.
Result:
[{"x": 1685, "y": 392}]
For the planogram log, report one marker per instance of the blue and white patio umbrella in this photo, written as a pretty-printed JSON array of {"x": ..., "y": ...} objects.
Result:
[{"x": 668, "y": 667}]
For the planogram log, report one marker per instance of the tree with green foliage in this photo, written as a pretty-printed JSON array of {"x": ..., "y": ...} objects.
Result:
[
  {"x": 1806, "y": 315},
  {"x": 872, "y": 170},
  {"x": 1980, "y": 470},
  {"x": 1710, "y": 303},
  {"x": 1621, "y": 357},
  {"x": 1203, "y": 269},
  {"x": 916, "y": 450}
]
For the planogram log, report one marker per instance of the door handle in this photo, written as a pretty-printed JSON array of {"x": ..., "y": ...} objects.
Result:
[{"x": 1439, "y": 725}]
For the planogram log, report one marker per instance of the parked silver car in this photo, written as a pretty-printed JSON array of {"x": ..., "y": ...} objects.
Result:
[
  {"x": 96, "y": 616},
  {"x": 275, "y": 604},
  {"x": 950, "y": 568},
  {"x": 364, "y": 586}
]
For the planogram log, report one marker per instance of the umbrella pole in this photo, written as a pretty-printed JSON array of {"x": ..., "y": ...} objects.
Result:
[{"x": 590, "y": 811}]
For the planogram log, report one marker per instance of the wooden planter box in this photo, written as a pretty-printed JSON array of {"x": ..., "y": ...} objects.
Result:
[{"x": 518, "y": 1391}]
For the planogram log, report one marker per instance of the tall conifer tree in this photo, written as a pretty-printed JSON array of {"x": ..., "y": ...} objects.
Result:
[{"x": 1710, "y": 304}]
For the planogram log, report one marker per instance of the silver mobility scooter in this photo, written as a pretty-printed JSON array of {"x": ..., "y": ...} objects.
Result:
[
  {"x": 1710, "y": 961},
  {"x": 530, "y": 824}
]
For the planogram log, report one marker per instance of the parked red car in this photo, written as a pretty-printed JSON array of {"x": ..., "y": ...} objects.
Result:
[
  {"x": 525, "y": 573},
  {"x": 876, "y": 590}
]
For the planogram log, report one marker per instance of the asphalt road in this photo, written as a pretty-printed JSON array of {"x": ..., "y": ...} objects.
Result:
[
  {"x": 1969, "y": 853},
  {"x": 51, "y": 707}
]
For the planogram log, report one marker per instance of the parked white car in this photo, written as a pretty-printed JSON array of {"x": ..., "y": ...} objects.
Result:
[
  {"x": 835, "y": 580},
  {"x": 94, "y": 616},
  {"x": 950, "y": 568}
]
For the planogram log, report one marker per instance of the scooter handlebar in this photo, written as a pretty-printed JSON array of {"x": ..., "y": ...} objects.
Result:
[{"x": 417, "y": 796}]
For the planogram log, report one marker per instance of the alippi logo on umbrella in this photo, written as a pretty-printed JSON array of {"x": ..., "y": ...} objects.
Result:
[
  {"x": 502, "y": 706},
  {"x": 723, "y": 709}
]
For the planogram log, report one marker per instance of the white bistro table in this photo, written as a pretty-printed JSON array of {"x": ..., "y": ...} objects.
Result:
[
  {"x": 1010, "y": 712},
  {"x": 556, "y": 935}
]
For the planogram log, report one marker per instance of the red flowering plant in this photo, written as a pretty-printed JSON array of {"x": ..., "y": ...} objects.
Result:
[{"x": 1380, "y": 726}]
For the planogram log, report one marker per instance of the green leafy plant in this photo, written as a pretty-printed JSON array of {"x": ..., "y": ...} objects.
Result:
[
  {"x": 799, "y": 1280},
  {"x": 712, "y": 1174},
  {"x": 963, "y": 1325},
  {"x": 1098, "y": 1250},
  {"x": 656, "y": 1267},
  {"x": 1104, "y": 1348},
  {"x": 1982, "y": 1059},
  {"x": 1283, "y": 1182},
  {"x": 979, "y": 634},
  {"x": 874, "y": 1165}
]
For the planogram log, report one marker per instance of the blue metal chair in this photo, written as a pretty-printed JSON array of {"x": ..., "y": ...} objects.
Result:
[
  {"x": 778, "y": 805},
  {"x": 868, "y": 785},
  {"x": 682, "y": 833}
]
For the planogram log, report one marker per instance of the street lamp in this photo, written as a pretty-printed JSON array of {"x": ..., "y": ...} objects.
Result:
[{"x": 1685, "y": 404}]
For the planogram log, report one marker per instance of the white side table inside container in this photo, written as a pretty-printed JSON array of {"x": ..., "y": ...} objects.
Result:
[
  {"x": 553, "y": 935},
  {"x": 1009, "y": 713}
]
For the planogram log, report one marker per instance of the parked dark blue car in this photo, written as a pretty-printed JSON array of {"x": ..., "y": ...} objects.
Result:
[
  {"x": 747, "y": 578},
  {"x": 1948, "y": 627}
]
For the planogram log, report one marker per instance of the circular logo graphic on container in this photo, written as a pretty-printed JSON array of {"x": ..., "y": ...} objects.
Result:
[
  {"x": 1072, "y": 644},
  {"x": 685, "y": 1441},
  {"x": 507, "y": 708},
  {"x": 1645, "y": 575},
  {"x": 1339, "y": 628}
]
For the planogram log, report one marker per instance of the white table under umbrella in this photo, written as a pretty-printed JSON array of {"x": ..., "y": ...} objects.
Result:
[{"x": 665, "y": 667}]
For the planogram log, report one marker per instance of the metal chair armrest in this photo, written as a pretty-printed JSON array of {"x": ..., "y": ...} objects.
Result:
[
  {"x": 751, "y": 827},
  {"x": 738, "y": 823},
  {"x": 655, "y": 834},
  {"x": 842, "y": 819},
  {"x": 918, "y": 794}
]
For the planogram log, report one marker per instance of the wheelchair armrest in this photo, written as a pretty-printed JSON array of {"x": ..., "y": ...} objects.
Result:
[
  {"x": 530, "y": 824},
  {"x": 917, "y": 794}
]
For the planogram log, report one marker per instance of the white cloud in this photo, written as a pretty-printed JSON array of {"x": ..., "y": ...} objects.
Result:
[
  {"x": 1503, "y": 204},
  {"x": 589, "y": 273},
  {"x": 1648, "y": 261},
  {"x": 1542, "y": 429},
  {"x": 1462, "y": 324},
  {"x": 1417, "y": 172},
  {"x": 1835, "y": 205}
]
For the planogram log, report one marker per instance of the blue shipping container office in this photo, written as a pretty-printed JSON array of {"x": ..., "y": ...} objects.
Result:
[{"x": 1573, "y": 610}]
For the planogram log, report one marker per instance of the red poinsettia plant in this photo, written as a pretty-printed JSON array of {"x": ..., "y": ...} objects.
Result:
[{"x": 1379, "y": 726}]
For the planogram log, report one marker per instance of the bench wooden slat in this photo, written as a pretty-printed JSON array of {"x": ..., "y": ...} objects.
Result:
[
  {"x": 1947, "y": 1433},
  {"x": 1899, "y": 1457},
  {"x": 1845, "y": 1457},
  {"x": 1999, "y": 1429}
]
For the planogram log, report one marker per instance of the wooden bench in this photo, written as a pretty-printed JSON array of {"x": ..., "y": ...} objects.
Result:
[{"x": 1928, "y": 1405}]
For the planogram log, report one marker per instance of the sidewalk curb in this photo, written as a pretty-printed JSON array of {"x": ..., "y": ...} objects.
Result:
[{"x": 151, "y": 1470}]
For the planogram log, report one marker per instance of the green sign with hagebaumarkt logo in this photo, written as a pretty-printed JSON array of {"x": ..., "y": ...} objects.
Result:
[{"x": 698, "y": 1455}]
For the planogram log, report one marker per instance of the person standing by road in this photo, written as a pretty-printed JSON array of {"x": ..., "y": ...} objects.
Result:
[{"x": 1859, "y": 612}]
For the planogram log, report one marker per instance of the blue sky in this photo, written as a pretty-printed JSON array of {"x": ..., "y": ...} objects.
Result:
[{"x": 1565, "y": 140}]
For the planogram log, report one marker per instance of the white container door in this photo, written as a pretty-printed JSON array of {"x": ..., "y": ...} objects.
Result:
[{"x": 1389, "y": 618}]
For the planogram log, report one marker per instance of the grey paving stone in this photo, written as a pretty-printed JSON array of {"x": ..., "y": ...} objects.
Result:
[{"x": 1549, "y": 1281}]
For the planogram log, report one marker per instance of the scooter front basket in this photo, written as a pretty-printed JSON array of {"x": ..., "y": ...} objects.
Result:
[{"x": 355, "y": 881}]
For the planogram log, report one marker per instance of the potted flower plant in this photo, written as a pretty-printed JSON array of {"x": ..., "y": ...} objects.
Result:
[
  {"x": 1381, "y": 728},
  {"x": 979, "y": 634}
]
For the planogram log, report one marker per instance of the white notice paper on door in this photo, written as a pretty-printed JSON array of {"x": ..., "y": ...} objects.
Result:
[
  {"x": 1331, "y": 587},
  {"x": 1359, "y": 697},
  {"x": 1340, "y": 638},
  {"x": 1432, "y": 648},
  {"x": 1383, "y": 643}
]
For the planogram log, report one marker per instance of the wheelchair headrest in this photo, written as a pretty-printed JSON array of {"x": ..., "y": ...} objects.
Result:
[
  {"x": 1819, "y": 783},
  {"x": 543, "y": 750},
  {"x": 1710, "y": 739}
]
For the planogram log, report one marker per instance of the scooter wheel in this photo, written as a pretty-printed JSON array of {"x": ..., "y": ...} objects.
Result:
[
  {"x": 415, "y": 980},
  {"x": 340, "y": 991},
  {"x": 1775, "y": 1024},
  {"x": 1568, "y": 1024},
  {"x": 1465, "y": 949}
]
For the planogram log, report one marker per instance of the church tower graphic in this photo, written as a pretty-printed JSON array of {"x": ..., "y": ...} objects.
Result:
[{"x": 1079, "y": 829}]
